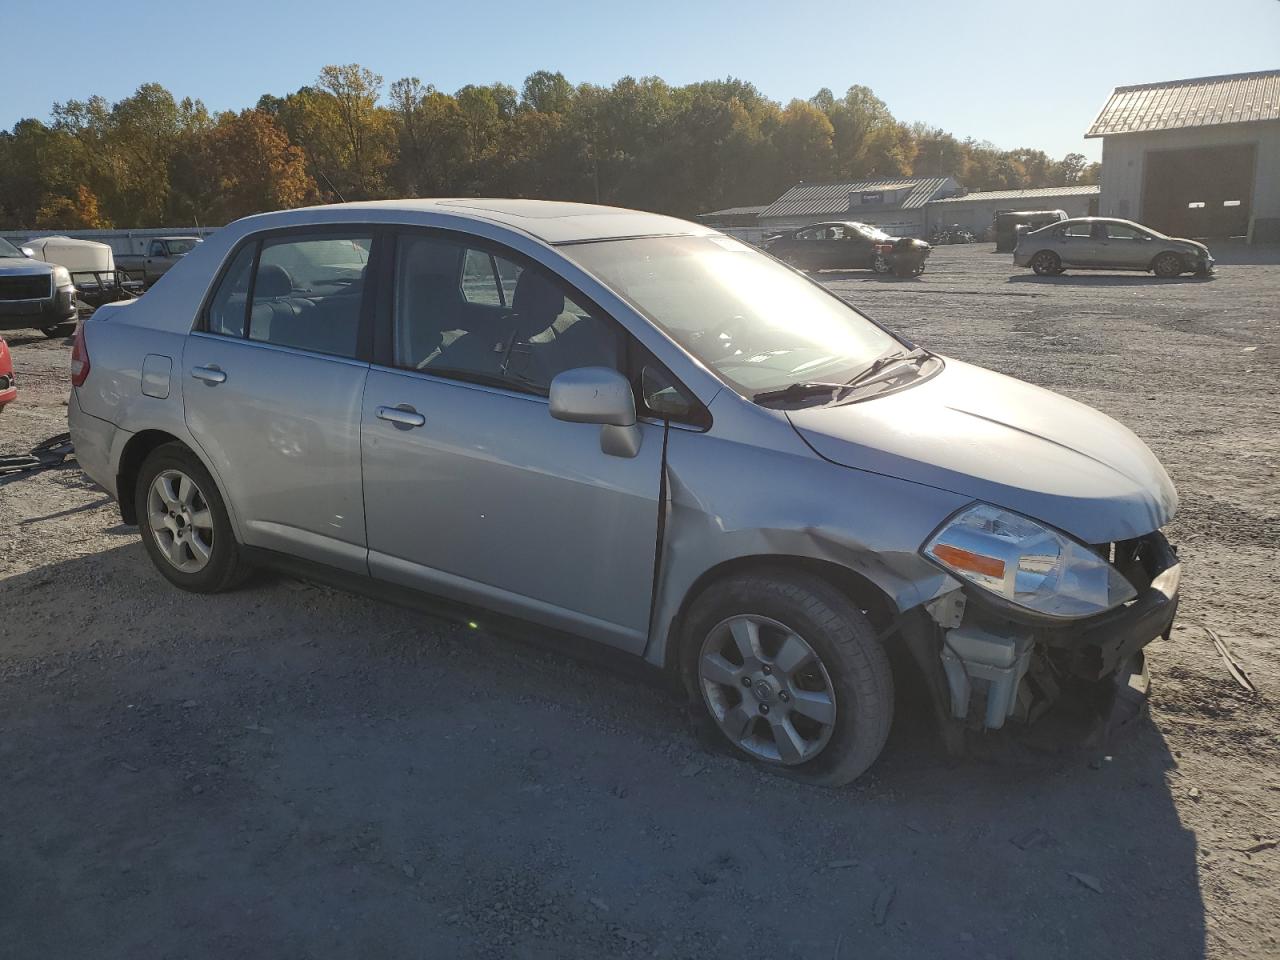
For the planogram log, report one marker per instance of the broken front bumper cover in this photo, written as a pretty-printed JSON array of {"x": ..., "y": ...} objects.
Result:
[{"x": 1015, "y": 660}]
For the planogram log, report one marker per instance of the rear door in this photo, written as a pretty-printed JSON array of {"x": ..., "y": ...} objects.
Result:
[
  {"x": 1075, "y": 244},
  {"x": 272, "y": 384},
  {"x": 472, "y": 490}
]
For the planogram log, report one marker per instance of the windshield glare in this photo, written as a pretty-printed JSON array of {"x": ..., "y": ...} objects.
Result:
[
  {"x": 754, "y": 322},
  {"x": 7, "y": 249}
]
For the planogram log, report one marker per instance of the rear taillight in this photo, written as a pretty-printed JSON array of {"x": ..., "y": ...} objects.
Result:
[{"x": 79, "y": 358}]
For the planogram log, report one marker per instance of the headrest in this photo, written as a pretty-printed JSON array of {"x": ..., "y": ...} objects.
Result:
[
  {"x": 273, "y": 282},
  {"x": 538, "y": 300}
]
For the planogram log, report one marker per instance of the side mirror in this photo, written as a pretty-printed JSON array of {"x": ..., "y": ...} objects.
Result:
[
  {"x": 593, "y": 395},
  {"x": 28, "y": 253},
  {"x": 603, "y": 396}
]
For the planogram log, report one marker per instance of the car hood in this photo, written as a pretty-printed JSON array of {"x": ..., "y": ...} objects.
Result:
[
  {"x": 13, "y": 267},
  {"x": 997, "y": 439}
]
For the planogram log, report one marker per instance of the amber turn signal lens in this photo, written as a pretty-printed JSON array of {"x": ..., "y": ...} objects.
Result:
[{"x": 967, "y": 560}]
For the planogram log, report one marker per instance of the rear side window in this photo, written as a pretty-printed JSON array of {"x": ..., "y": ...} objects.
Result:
[
  {"x": 307, "y": 293},
  {"x": 230, "y": 302},
  {"x": 1078, "y": 229}
]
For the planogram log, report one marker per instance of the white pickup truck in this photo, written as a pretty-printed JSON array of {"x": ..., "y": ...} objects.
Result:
[{"x": 161, "y": 254}]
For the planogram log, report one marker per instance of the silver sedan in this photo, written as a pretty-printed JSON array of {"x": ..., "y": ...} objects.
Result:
[
  {"x": 1101, "y": 243},
  {"x": 636, "y": 430}
]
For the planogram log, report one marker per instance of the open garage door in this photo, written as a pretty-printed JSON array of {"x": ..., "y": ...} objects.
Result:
[{"x": 1204, "y": 192}]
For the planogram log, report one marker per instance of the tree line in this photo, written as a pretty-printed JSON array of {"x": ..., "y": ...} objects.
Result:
[{"x": 154, "y": 160}]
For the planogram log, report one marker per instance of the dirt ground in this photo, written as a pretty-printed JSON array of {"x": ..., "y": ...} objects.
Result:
[{"x": 290, "y": 772}]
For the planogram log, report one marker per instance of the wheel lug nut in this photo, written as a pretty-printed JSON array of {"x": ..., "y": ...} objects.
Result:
[
  {"x": 746, "y": 681},
  {"x": 784, "y": 696},
  {"x": 764, "y": 708},
  {"x": 767, "y": 670}
]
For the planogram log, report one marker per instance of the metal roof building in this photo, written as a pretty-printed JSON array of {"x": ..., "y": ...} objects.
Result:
[
  {"x": 977, "y": 211},
  {"x": 895, "y": 204},
  {"x": 1195, "y": 158}
]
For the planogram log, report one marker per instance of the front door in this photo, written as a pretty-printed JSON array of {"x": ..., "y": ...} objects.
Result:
[
  {"x": 472, "y": 490},
  {"x": 272, "y": 386},
  {"x": 1125, "y": 247}
]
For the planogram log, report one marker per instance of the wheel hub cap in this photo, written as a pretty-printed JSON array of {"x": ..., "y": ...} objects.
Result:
[
  {"x": 767, "y": 688},
  {"x": 180, "y": 521}
]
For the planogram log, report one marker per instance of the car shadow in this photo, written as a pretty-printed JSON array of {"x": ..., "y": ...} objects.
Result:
[
  {"x": 1106, "y": 280},
  {"x": 869, "y": 276},
  {"x": 392, "y": 784}
]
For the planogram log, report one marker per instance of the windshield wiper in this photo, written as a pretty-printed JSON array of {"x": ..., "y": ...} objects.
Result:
[
  {"x": 794, "y": 391},
  {"x": 885, "y": 360}
]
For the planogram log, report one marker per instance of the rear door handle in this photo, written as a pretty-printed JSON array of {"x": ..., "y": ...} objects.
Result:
[
  {"x": 402, "y": 416},
  {"x": 208, "y": 374}
]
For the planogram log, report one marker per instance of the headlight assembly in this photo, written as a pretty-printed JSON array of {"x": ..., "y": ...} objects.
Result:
[
  {"x": 61, "y": 277},
  {"x": 1027, "y": 563}
]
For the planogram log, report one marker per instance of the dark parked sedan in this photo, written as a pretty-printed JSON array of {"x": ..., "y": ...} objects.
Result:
[{"x": 848, "y": 245}]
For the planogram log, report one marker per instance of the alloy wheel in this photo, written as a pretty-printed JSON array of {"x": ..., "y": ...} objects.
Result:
[
  {"x": 180, "y": 521},
  {"x": 767, "y": 689}
]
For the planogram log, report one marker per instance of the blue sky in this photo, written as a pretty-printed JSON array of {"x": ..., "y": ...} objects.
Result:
[{"x": 1018, "y": 74}]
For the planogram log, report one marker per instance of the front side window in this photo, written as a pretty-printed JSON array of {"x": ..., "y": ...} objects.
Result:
[
  {"x": 1118, "y": 231},
  {"x": 466, "y": 313},
  {"x": 307, "y": 293},
  {"x": 754, "y": 322},
  {"x": 157, "y": 249}
]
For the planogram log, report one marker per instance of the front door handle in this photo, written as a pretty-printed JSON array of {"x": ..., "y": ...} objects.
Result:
[
  {"x": 402, "y": 416},
  {"x": 208, "y": 374}
]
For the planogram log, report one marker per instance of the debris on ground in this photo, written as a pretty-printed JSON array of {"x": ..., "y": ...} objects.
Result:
[
  {"x": 1086, "y": 880},
  {"x": 884, "y": 900}
]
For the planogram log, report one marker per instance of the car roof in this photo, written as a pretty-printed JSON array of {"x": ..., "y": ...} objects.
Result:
[{"x": 552, "y": 221}]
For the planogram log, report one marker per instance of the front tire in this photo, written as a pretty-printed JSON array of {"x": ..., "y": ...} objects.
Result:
[
  {"x": 791, "y": 674},
  {"x": 906, "y": 271},
  {"x": 1168, "y": 266},
  {"x": 184, "y": 523},
  {"x": 1046, "y": 263}
]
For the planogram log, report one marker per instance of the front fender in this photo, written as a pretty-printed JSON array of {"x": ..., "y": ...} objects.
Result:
[{"x": 729, "y": 501}]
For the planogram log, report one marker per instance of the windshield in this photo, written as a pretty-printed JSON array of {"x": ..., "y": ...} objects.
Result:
[
  {"x": 757, "y": 324},
  {"x": 7, "y": 249}
]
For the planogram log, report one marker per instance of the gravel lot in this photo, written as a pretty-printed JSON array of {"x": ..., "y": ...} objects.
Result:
[{"x": 288, "y": 771}]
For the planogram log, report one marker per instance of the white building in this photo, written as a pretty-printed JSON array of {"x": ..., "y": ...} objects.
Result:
[
  {"x": 1195, "y": 158},
  {"x": 977, "y": 211}
]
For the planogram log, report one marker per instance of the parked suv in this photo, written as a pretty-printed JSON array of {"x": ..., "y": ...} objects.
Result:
[
  {"x": 636, "y": 430},
  {"x": 34, "y": 295},
  {"x": 1100, "y": 243}
]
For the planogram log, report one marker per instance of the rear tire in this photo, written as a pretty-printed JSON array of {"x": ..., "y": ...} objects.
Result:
[
  {"x": 184, "y": 522},
  {"x": 820, "y": 701},
  {"x": 880, "y": 264},
  {"x": 1046, "y": 263},
  {"x": 1168, "y": 266}
]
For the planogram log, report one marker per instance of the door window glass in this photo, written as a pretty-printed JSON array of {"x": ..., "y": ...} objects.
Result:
[
  {"x": 157, "y": 249},
  {"x": 1077, "y": 229},
  {"x": 1118, "y": 231},
  {"x": 444, "y": 324},
  {"x": 307, "y": 293},
  {"x": 480, "y": 282},
  {"x": 229, "y": 305}
]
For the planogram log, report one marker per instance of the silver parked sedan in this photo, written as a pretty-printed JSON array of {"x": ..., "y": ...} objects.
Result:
[
  {"x": 637, "y": 430},
  {"x": 1101, "y": 243}
]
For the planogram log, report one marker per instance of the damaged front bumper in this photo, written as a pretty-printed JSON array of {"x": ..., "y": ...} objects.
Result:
[{"x": 1002, "y": 662}]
